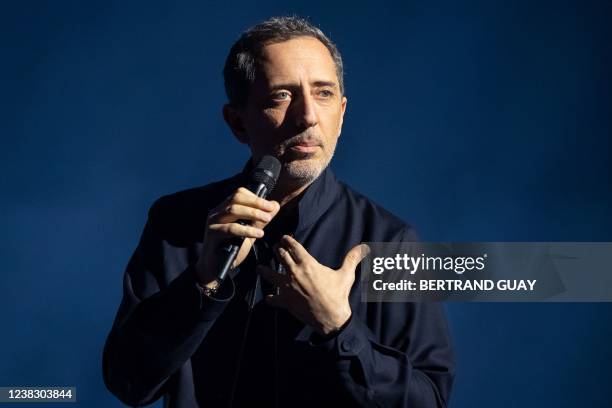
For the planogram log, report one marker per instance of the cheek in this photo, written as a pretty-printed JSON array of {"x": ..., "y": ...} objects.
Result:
[
  {"x": 331, "y": 145},
  {"x": 267, "y": 122},
  {"x": 333, "y": 124},
  {"x": 263, "y": 115},
  {"x": 261, "y": 127},
  {"x": 273, "y": 117}
]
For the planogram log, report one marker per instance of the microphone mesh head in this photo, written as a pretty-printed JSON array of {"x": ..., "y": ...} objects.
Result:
[{"x": 266, "y": 172}]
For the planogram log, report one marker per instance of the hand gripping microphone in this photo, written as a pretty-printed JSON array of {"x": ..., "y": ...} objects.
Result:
[{"x": 261, "y": 182}]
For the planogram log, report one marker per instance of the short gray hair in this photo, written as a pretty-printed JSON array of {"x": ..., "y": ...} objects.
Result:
[{"x": 241, "y": 63}]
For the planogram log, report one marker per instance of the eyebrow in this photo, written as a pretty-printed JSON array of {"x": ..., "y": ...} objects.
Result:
[{"x": 317, "y": 84}]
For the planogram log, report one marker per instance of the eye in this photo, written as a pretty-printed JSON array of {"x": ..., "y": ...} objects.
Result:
[
  {"x": 326, "y": 93},
  {"x": 281, "y": 96}
]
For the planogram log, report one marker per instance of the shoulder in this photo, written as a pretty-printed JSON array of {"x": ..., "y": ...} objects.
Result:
[
  {"x": 185, "y": 211},
  {"x": 380, "y": 224},
  {"x": 192, "y": 198}
]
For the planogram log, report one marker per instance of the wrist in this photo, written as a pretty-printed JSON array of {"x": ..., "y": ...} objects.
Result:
[
  {"x": 204, "y": 276},
  {"x": 209, "y": 289},
  {"x": 207, "y": 283},
  {"x": 337, "y": 323}
]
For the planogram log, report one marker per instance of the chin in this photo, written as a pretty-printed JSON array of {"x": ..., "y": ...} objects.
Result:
[{"x": 304, "y": 170}]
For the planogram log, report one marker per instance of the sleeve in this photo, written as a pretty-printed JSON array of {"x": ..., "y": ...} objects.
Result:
[
  {"x": 402, "y": 356},
  {"x": 416, "y": 372},
  {"x": 156, "y": 329}
]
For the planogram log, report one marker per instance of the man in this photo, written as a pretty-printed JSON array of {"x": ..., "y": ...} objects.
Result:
[{"x": 297, "y": 338}]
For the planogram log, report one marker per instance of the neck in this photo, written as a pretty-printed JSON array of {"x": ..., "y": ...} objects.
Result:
[{"x": 284, "y": 192}]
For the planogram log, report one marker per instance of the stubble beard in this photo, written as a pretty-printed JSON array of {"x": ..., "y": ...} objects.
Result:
[
  {"x": 300, "y": 170},
  {"x": 305, "y": 170}
]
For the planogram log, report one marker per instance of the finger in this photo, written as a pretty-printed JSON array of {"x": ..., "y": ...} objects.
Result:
[
  {"x": 285, "y": 259},
  {"x": 355, "y": 256},
  {"x": 248, "y": 198},
  {"x": 295, "y": 249},
  {"x": 237, "y": 230},
  {"x": 261, "y": 224},
  {"x": 271, "y": 276},
  {"x": 235, "y": 212}
]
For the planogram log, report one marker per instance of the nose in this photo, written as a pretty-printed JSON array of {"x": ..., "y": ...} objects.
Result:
[{"x": 306, "y": 111}]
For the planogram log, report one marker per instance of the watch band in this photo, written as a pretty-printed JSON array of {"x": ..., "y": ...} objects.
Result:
[{"x": 209, "y": 290}]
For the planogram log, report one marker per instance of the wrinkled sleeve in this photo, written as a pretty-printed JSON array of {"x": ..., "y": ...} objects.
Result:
[
  {"x": 417, "y": 372},
  {"x": 402, "y": 357},
  {"x": 157, "y": 327}
]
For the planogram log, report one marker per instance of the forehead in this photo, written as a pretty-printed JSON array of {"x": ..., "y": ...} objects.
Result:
[{"x": 298, "y": 59}]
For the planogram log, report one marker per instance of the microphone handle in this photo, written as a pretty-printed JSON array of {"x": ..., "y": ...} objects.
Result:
[{"x": 232, "y": 250}]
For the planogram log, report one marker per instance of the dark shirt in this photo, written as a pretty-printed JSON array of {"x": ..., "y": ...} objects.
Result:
[{"x": 170, "y": 340}]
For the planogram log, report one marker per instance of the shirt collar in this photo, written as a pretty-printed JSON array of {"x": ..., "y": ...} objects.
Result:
[{"x": 315, "y": 200}]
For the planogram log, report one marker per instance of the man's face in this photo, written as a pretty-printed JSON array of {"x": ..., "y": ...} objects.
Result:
[{"x": 295, "y": 108}]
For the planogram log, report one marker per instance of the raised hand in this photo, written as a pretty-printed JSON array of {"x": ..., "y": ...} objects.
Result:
[
  {"x": 222, "y": 225},
  {"x": 313, "y": 293}
]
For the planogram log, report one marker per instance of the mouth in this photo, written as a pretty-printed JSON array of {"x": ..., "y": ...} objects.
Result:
[{"x": 304, "y": 148}]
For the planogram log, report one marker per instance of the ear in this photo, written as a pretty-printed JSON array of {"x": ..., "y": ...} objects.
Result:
[
  {"x": 342, "y": 110},
  {"x": 234, "y": 119}
]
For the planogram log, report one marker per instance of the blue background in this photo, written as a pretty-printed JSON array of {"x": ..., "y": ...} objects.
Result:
[{"x": 474, "y": 121}]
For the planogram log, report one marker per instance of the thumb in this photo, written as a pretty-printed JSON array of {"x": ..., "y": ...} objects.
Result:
[{"x": 354, "y": 256}]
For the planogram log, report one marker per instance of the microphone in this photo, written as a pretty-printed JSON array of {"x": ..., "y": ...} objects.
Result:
[{"x": 261, "y": 182}]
